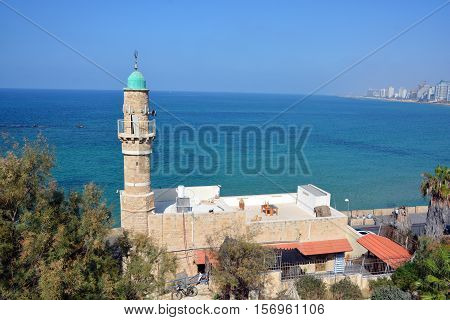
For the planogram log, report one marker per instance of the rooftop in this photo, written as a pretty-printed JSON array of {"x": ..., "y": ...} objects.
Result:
[
  {"x": 385, "y": 249},
  {"x": 207, "y": 200},
  {"x": 285, "y": 203},
  {"x": 314, "y": 190},
  {"x": 316, "y": 247}
]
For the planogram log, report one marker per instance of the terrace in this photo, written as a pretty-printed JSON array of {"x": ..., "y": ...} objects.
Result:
[{"x": 283, "y": 206}]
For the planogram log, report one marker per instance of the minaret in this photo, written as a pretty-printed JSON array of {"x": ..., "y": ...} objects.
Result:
[{"x": 136, "y": 132}]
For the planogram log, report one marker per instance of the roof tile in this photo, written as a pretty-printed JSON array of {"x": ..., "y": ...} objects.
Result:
[{"x": 385, "y": 249}]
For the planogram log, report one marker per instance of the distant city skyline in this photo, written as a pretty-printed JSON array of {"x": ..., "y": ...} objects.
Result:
[
  {"x": 424, "y": 92},
  {"x": 256, "y": 46}
]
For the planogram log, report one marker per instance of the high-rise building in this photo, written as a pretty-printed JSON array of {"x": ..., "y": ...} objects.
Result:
[
  {"x": 382, "y": 93},
  {"x": 431, "y": 93},
  {"x": 369, "y": 93},
  {"x": 422, "y": 93},
  {"x": 402, "y": 93},
  {"x": 136, "y": 133},
  {"x": 390, "y": 92},
  {"x": 442, "y": 91}
]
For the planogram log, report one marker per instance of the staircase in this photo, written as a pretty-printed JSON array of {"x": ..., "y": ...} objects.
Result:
[{"x": 339, "y": 263}]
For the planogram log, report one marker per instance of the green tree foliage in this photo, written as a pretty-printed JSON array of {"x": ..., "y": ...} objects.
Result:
[
  {"x": 345, "y": 290},
  {"x": 437, "y": 187},
  {"x": 58, "y": 247},
  {"x": 311, "y": 288},
  {"x": 380, "y": 282},
  {"x": 240, "y": 268},
  {"x": 428, "y": 275},
  {"x": 146, "y": 269},
  {"x": 389, "y": 293}
]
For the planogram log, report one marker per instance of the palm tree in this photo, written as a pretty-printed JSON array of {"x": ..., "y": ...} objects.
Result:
[{"x": 437, "y": 187}]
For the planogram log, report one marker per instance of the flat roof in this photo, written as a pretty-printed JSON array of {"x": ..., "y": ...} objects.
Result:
[
  {"x": 314, "y": 190},
  {"x": 286, "y": 204}
]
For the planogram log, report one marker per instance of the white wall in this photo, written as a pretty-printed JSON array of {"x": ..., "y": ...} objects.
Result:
[{"x": 309, "y": 201}]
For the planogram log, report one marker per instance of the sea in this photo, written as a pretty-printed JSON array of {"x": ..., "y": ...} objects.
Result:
[{"x": 371, "y": 152}]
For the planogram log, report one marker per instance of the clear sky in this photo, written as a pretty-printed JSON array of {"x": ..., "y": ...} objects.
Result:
[{"x": 241, "y": 46}]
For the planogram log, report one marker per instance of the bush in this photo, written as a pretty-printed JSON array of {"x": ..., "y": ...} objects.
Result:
[
  {"x": 311, "y": 288},
  {"x": 380, "y": 282},
  {"x": 241, "y": 267},
  {"x": 55, "y": 245},
  {"x": 428, "y": 274},
  {"x": 345, "y": 290},
  {"x": 389, "y": 293}
]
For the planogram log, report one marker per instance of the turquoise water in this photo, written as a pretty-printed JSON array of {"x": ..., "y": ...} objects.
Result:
[{"x": 369, "y": 151}]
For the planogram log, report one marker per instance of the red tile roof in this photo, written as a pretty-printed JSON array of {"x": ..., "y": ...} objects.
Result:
[
  {"x": 316, "y": 247},
  {"x": 324, "y": 247},
  {"x": 385, "y": 249}
]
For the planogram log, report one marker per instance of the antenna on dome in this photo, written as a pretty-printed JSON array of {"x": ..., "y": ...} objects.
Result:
[{"x": 135, "y": 59}]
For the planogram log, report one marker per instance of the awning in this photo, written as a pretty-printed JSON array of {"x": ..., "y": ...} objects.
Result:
[
  {"x": 385, "y": 249},
  {"x": 202, "y": 256},
  {"x": 311, "y": 248}
]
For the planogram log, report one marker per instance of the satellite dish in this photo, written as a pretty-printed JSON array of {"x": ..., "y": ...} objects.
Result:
[{"x": 153, "y": 113}]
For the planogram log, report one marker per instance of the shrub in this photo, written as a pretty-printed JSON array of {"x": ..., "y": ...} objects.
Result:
[
  {"x": 406, "y": 277},
  {"x": 345, "y": 290},
  {"x": 310, "y": 288},
  {"x": 428, "y": 274},
  {"x": 55, "y": 245},
  {"x": 380, "y": 282},
  {"x": 389, "y": 293},
  {"x": 241, "y": 267}
]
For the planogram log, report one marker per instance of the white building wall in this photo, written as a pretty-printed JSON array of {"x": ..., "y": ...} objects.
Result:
[{"x": 308, "y": 200}]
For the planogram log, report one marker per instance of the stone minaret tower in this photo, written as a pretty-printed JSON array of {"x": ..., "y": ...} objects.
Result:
[{"x": 136, "y": 132}]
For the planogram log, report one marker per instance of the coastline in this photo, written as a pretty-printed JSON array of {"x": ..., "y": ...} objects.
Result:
[{"x": 402, "y": 101}]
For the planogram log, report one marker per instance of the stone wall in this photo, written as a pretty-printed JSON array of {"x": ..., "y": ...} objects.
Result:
[
  {"x": 383, "y": 212},
  {"x": 191, "y": 231},
  {"x": 277, "y": 286},
  {"x": 184, "y": 234}
]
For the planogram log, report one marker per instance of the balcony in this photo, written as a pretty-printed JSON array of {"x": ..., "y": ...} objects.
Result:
[{"x": 129, "y": 130}]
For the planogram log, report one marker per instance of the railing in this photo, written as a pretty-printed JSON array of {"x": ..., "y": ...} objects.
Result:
[
  {"x": 363, "y": 266},
  {"x": 136, "y": 129}
]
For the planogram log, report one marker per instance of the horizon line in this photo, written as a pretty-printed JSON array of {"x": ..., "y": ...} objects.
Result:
[{"x": 187, "y": 91}]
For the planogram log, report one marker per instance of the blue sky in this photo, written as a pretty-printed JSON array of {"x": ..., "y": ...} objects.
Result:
[{"x": 239, "y": 46}]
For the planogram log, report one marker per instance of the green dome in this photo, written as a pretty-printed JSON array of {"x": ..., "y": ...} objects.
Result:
[{"x": 136, "y": 81}]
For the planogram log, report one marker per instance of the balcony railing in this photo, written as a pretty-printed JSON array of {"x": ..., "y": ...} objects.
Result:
[{"x": 136, "y": 129}]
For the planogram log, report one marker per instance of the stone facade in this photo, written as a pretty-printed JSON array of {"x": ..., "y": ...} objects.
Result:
[
  {"x": 185, "y": 233},
  {"x": 136, "y": 134}
]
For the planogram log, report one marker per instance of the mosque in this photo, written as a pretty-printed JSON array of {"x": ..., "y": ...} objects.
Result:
[{"x": 185, "y": 218}]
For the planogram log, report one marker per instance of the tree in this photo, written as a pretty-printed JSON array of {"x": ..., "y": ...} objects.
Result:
[
  {"x": 428, "y": 275},
  {"x": 58, "y": 247},
  {"x": 311, "y": 288},
  {"x": 146, "y": 269},
  {"x": 437, "y": 187},
  {"x": 240, "y": 268},
  {"x": 389, "y": 293},
  {"x": 345, "y": 290}
]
